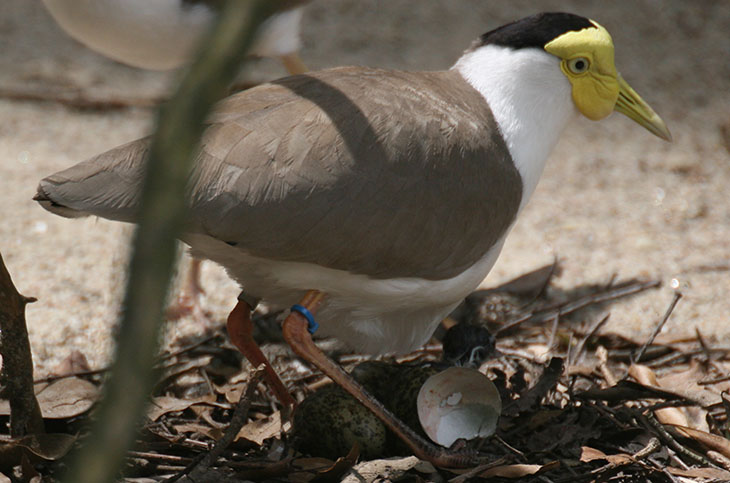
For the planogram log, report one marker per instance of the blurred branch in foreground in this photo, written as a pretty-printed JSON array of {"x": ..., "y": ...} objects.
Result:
[{"x": 174, "y": 145}]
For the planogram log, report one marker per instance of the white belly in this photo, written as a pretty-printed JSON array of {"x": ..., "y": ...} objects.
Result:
[{"x": 370, "y": 315}]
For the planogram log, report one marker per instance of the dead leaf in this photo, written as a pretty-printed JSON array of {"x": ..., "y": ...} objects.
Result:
[
  {"x": 312, "y": 463},
  {"x": 531, "y": 283},
  {"x": 74, "y": 363},
  {"x": 262, "y": 429},
  {"x": 709, "y": 473},
  {"x": 67, "y": 398},
  {"x": 685, "y": 382},
  {"x": 340, "y": 467},
  {"x": 232, "y": 392},
  {"x": 712, "y": 441},
  {"x": 590, "y": 454},
  {"x": 49, "y": 446},
  {"x": 61, "y": 399},
  {"x": 628, "y": 391},
  {"x": 213, "y": 433},
  {"x": 36, "y": 447},
  {"x": 164, "y": 404},
  {"x": 646, "y": 376},
  {"x": 518, "y": 470},
  {"x": 381, "y": 470}
]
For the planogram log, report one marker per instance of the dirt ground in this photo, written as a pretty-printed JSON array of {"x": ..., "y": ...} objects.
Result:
[{"x": 614, "y": 200}]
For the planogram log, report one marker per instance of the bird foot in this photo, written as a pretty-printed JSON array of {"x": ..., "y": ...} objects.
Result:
[
  {"x": 189, "y": 301},
  {"x": 240, "y": 331}
]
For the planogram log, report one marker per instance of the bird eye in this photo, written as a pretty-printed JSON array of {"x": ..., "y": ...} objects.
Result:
[{"x": 578, "y": 65}]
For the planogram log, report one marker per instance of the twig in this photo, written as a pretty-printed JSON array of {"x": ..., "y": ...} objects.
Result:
[
  {"x": 75, "y": 99},
  {"x": 703, "y": 345},
  {"x": 17, "y": 362},
  {"x": 478, "y": 470},
  {"x": 553, "y": 331},
  {"x": 577, "y": 304},
  {"x": 201, "y": 464},
  {"x": 648, "y": 418},
  {"x": 593, "y": 331},
  {"x": 183, "y": 350},
  {"x": 547, "y": 381},
  {"x": 94, "y": 372},
  {"x": 717, "y": 380},
  {"x": 161, "y": 217},
  {"x": 509, "y": 447},
  {"x": 658, "y": 328},
  {"x": 677, "y": 356},
  {"x": 158, "y": 456}
]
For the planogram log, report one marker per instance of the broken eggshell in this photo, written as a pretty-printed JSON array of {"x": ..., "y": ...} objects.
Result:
[{"x": 458, "y": 403}]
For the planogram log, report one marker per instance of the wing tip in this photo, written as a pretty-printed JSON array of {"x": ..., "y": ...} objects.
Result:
[{"x": 47, "y": 202}]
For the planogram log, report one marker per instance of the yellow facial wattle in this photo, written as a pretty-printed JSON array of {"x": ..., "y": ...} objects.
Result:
[
  {"x": 595, "y": 90},
  {"x": 587, "y": 60}
]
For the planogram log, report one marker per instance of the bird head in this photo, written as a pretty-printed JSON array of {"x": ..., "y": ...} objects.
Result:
[{"x": 587, "y": 60}]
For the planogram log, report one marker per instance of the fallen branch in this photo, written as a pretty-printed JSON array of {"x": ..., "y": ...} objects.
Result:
[
  {"x": 579, "y": 303},
  {"x": 17, "y": 375},
  {"x": 75, "y": 99}
]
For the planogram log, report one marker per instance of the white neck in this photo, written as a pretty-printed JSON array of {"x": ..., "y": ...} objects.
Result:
[{"x": 530, "y": 98}]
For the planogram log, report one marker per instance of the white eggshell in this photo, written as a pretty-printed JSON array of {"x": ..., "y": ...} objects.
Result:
[{"x": 458, "y": 403}]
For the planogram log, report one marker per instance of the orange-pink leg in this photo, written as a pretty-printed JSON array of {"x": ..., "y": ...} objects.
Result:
[
  {"x": 240, "y": 330},
  {"x": 188, "y": 301},
  {"x": 296, "y": 334},
  {"x": 293, "y": 64}
]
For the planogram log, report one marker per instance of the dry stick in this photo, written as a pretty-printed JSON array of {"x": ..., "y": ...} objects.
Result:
[
  {"x": 161, "y": 217},
  {"x": 658, "y": 328},
  {"x": 200, "y": 464},
  {"x": 650, "y": 421},
  {"x": 717, "y": 380},
  {"x": 17, "y": 363},
  {"x": 160, "y": 360},
  {"x": 676, "y": 356},
  {"x": 75, "y": 99},
  {"x": 553, "y": 331},
  {"x": 158, "y": 457},
  {"x": 591, "y": 332},
  {"x": 582, "y": 302},
  {"x": 473, "y": 473}
]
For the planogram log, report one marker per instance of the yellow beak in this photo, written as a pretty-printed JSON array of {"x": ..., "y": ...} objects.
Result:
[{"x": 632, "y": 105}]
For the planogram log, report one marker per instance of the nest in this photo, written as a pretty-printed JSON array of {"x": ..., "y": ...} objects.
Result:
[{"x": 579, "y": 403}]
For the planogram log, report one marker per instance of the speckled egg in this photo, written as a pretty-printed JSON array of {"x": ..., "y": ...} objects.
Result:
[{"x": 329, "y": 421}]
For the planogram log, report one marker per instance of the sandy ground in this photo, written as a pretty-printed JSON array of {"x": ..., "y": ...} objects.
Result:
[{"x": 613, "y": 200}]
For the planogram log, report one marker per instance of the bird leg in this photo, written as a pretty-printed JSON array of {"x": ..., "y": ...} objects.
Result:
[
  {"x": 240, "y": 330},
  {"x": 295, "y": 331},
  {"x": 293, "y": 64},
  {"x": 188, "y": 300}
]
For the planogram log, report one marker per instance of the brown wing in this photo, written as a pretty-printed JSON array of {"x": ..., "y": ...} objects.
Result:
[{"x": 388, "y": 174}]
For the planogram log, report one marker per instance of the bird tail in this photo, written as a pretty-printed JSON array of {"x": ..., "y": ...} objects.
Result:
[{"x": 107, "y": 185}]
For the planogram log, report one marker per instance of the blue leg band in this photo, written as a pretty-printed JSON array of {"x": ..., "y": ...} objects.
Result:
[{"x": 312, "y": 325}]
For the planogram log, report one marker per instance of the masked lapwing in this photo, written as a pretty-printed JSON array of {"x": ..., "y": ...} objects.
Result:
[
  {"x": 162, "y": 34},
  {"x": 375, "y": 199}
]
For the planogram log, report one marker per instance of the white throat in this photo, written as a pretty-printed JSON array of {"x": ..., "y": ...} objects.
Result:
[{"x": 530, "y": 98}]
